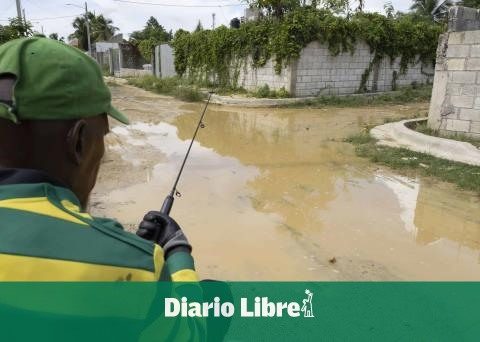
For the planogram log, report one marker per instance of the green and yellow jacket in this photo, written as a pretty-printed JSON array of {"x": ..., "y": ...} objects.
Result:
[{"x": 44, "y": 236}]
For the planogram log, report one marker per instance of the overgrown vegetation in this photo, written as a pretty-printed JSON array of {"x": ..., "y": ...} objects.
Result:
[
  {"x": 422, "y": 127},
  {"x": 101, "y": 29},
  {"x": 16, "y": 28},
  {"x": 224, "y": 51},
  {"x": 404, "y": 95},
  {"x": 465, "y": 176},
  {"x": 172, "y": 86},
  {"x": 152, "y": 34}
]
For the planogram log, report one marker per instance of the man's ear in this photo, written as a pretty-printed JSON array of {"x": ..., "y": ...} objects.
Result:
[{"x": 76, "y": 141}]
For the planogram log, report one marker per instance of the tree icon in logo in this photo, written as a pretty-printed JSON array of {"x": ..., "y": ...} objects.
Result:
[{"x": 307, "y": 307}]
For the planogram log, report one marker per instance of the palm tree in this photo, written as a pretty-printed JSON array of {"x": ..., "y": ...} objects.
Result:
[
  {"x": 81, "y": 30},
  {"x": 102, "y": 28},
  {"x": 435, "y": 9}
]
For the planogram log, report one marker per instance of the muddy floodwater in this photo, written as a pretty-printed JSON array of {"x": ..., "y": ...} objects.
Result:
[{"x": 275, "y": 194}]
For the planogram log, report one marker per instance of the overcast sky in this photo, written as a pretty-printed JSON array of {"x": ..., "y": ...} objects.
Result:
[{"x": 130, "y": 16}]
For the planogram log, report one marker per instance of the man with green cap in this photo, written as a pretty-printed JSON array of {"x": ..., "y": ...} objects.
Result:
[{"x": 53, "y": 120}]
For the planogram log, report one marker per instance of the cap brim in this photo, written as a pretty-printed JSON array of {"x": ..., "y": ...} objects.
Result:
[{"x": 116, "y": 114}]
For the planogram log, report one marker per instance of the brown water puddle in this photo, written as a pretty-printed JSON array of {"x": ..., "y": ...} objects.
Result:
[{"x": 274, "y": 194}]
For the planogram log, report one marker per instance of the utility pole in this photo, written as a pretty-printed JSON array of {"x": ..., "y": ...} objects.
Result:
[
  {"x": 87, "y": 24},
  {"x": 213, "y": 21},
  {"x": 19, "y": 10},
  {"x": 88, "y": 30},
  {"x": 24, "y": 18}
]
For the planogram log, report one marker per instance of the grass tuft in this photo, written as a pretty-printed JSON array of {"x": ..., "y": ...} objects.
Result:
[
  {"x": 422, "y": 127},
  {"x": 172, "y": 86},
  {"x": 405, "y": 95},
  {"x": 465, "y": 176}
]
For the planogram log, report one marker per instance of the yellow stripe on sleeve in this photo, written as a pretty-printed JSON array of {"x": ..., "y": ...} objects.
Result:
[
  {"x": 185, "y": 275},
  {"x": 41, "y": 206}
]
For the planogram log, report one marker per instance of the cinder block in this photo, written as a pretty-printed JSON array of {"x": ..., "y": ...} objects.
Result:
[
  {"x": 476, "y": 104},
  {"x": 472, "y": 64},
  {"x": 469, "y": 114},
  {"x": 456, "y": 38},
  {"x": 462, "y": 101},
  {"x": 454, "y": 64},
  {"x": 475, "y": 127},
  {"x": 458, "y": 125},
  {"x": 472, "y": 37},
  {"x": 475, "y": 51},
  {"x": 458, "y": 51},
  {"x": 468, "y": 90},
  {"x": 466, "y": 77}
]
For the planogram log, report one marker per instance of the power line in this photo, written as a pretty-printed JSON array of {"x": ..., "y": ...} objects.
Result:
[
  {"x": 49, "y": 18},
  {"x": 175, "y": 5}
]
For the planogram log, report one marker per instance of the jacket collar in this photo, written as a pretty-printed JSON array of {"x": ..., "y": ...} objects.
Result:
[
  {"x": 26, "y": 176},
  {"x": 23, "y": 183}
]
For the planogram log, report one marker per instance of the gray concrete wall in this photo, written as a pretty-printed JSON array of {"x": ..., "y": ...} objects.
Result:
[
  {"x": 320, "y": 73},
  {"x": 455, "y": 104},
  {"x": 252, "y": 78},
  {"x": 166, "y": 61},
  {"x": 317, "y": 72}
]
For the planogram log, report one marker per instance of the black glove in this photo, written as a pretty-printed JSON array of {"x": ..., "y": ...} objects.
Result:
[{"x": 163, "y": 230}]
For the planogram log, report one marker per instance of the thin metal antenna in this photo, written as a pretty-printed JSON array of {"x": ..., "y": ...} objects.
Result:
[{"x": 168, "y": 203}]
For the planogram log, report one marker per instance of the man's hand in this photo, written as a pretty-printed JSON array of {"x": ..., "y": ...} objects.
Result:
[{"x": 163, "y": 230}]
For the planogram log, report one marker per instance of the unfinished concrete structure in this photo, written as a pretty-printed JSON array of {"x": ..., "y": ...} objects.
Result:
[
  {"x": 120, "y": 59},
  {"x": 455, "y": 104},
  {"x": 317, "y": 72}
]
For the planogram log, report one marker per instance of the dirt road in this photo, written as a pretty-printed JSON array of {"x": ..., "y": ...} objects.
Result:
[{"x": 275, "y": 194}]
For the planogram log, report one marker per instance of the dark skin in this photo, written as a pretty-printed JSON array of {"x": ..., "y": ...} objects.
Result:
[{"x": 69, "y": 151}]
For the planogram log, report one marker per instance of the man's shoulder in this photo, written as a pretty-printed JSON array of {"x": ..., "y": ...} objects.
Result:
[{"x": 116, "y": 231}]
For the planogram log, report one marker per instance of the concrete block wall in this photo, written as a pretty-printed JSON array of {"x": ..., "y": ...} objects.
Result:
[
  {"x": 455, "y": 104},
  {"x": 252, "y": 78},
  {"x": 320, "y": 73}
]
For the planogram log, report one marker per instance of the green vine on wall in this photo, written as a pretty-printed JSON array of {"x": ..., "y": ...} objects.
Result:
[{"x": 222, "y": 51}]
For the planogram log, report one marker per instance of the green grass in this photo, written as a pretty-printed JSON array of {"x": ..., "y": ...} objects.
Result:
[
  {"x": 422, "y": 127},
  {"x": 172, "y": 86},
  {"x": 465, "y": 176},
  {"x": 402, "y": 96}
]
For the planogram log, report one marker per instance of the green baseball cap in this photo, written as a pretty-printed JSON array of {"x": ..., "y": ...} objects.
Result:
[{"x": 54, "y": 81}]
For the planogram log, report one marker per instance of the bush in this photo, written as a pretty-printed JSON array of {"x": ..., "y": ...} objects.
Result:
[
  {"x": 263, "y": 91},
  {"x": 173, "y": 86},
  {"x": 188, "y": 93}
]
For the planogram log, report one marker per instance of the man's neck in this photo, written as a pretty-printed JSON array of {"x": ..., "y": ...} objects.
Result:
[{"x": 10, "y": 176}]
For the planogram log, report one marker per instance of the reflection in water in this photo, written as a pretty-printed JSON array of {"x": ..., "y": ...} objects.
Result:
[{"x": 275, "y": 195}]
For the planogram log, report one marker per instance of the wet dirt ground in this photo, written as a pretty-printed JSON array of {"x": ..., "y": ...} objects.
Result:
[{"x": 275, "y": 194}]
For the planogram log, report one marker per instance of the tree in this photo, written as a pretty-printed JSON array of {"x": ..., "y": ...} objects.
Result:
[
  {"x": 101, "y": 29},
  {"x": 275, "y": 8},
  {"x": 361, "y": 5},
  {"x": 337, "y": 6},
  {"x": 80, "y": 32},
  {"x": 235, "y": 23},
  {"x": 16, "y": 28},
  {"x": 389, "y": 10},
  {"x": 54, "y": 36},
  {"x": 199, "y": 27},
  {"x": 153, "y": 34},
  {"x": 434, "y": 9},
  {"x": 469, "y": 3}
]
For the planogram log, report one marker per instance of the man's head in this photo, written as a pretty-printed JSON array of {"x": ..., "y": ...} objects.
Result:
[{"x": 53, "y": 112}]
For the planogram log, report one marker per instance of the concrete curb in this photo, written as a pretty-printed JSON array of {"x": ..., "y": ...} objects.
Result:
[
  {"x": 254, "y": 102},
  {"x": 396, "y": 134}
]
